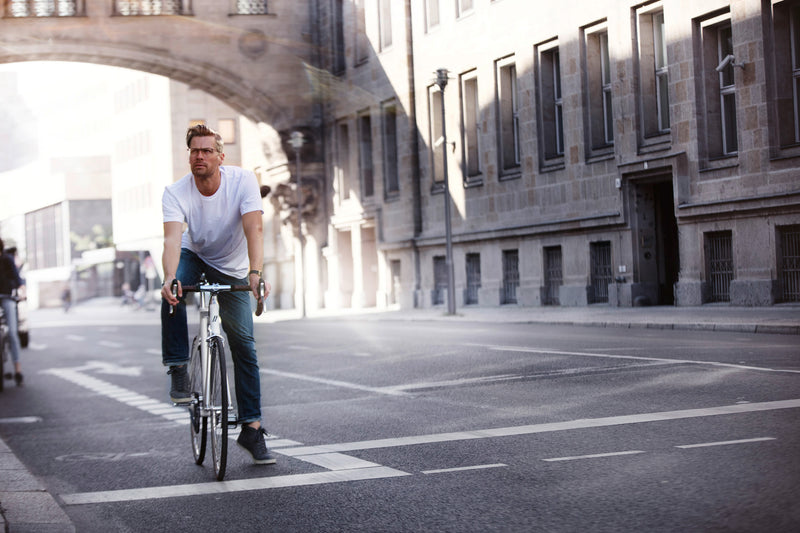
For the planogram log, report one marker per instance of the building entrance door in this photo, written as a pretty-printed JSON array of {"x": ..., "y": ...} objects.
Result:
[{"x": 655, "y": 247}]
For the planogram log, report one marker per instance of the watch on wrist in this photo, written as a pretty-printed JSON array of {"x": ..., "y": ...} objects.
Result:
[{"x": 256, "y": 272}]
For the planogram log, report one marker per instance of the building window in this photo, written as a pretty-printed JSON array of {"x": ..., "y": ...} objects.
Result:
[
  {"x": 436, "y": 150},
  {"x": 44, "y": 240},
  {"x": 551, "y": 114},
  {"x": 227, "y": 129},
  {"x": 600, "y": 275},
  {"x": 553, "y": 276},
  {"x": 719, "y": 265},
  {"x": 339, "y": 64},
  {"x": 508, "y": 117},
  {"x": 385, "y": 23},
  {"x": 789, "y": 264},
  {"x": 510, "y": 277},
  {"x": 717, "y": 131},
  {"x": 653, "y": 76},
  {"x": 251, "y": 7},
  {"x": 470, "y": 143},
  {"x": 431, "y": 14},
  {"x": 361, "y": 40},
  {"x": 148, "y": 7},
  {"x": 786, "y": 53},
  {"x": 390, "y": 170},
  {"x": 473, "y": 278},
  {"x": 366, "y": 168},
  {"x": 597, "y": 87},
  {"x": 439, "y": 280},
  {"x": 343, "y": 160},
  {"x": 43, "y": 8},
  {"x": 464, "y": 7}
]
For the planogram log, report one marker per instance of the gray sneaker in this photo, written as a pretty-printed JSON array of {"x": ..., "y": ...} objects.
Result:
[
  {"x": 180, "y": 392},
  {"x": 252, "y": 440}
]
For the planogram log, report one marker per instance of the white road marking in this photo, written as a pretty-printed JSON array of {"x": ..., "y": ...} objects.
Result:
[
  {"x": 334, "y": 383},
  {"x": 153, "y": 351},
  {"x": 545, "y": 428},
  {"x": 463, "y": 468},
  {"x": 725, "y": 442},
  {"x": 638, "y": 358},
  {"x": 21, "y": 419},
  {"x": 110, "y": 344},
  {"x": 128, "y": 397},
  {"x": 593, "y": 456},
  {"x": 219, "y": 487},
  {"x": 452, "y": 382},
  {"x": 76, "y": 338},
  {"x": 36, "y": 347}
]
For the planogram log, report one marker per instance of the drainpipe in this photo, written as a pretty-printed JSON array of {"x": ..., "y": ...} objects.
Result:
[{"x": 415, "y": 164}]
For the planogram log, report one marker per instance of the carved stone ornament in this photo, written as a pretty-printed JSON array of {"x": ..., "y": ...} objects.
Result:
[{"x": 253, "y": 44}]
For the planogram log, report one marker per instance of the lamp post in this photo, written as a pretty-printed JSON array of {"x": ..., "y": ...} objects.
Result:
[
  {"x": 441, "y": 81},
  {"x": 296, "y": 142}
]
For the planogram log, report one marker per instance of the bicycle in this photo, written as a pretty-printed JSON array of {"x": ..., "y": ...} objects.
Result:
[{"x": 211, "y": 403}]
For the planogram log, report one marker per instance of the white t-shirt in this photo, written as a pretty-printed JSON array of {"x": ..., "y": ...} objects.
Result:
[{"x": 214, "y": 222}]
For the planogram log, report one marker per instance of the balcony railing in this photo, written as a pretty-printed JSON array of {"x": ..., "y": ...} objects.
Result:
[
  {"x": 250, "y": 7},
  {"x": 43, "y": 8}
]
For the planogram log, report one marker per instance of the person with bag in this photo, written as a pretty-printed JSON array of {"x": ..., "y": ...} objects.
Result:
[{"x": 9, "y": 283}]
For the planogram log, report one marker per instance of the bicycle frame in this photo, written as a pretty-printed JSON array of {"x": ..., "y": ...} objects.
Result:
[{"x": 210, "y": 328}]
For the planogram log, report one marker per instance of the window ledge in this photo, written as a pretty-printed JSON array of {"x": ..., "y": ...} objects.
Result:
[
  {"x": 720, "y": 163},
  {"x": 511, "y": 175},
  {"x": 473, "y": 181},
  {"x": 552, "y": 165},
  {"x": 598, "y": 156}
]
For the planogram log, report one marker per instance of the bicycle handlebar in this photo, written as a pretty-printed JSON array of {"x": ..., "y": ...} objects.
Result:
[{"x": 217, "y": 287}]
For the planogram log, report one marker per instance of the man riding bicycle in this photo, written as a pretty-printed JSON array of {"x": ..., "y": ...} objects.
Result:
[{"x": 221, "y": 206}]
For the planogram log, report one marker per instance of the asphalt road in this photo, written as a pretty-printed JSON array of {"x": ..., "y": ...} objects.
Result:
[{"x": 414, "y": 426}]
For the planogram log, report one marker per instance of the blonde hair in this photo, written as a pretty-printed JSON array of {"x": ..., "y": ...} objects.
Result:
[{"x": 201, "y": 130}]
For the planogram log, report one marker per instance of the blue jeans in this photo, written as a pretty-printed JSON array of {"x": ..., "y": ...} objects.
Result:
[
  {"x": 10, "y": 310},
  {"x": 237, "y": 322}
]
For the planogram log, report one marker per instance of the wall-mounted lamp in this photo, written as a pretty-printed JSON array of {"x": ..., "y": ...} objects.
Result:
[{"x": 729, "y": 59}]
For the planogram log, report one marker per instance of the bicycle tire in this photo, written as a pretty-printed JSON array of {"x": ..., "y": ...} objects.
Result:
[
  {"x": 219, "y": 407},
  {"x": 198, "y": 424}
]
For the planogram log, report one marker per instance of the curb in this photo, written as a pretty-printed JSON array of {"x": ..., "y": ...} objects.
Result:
[{"x": 25, "y": 504}]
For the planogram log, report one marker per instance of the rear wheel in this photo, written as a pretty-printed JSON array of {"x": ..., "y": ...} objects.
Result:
[
  {"x": 218, "y": 403},
  {"x": 198, "y": 424}
]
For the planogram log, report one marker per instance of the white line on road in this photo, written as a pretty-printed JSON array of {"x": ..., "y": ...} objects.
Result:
[
  {"x": 153, "y": 351},
  {"x": 463, "y": 468},
  {"x": 593, "y": 456},
  {"x": 76, "y": 338},
  {"x": 21, "y": 419},
  {"x": 545, "y": 428},
  {"x": 110, "y": 344},
  {"x": 638, "y": 358},
  {"x": 219, "y": 487},
  {"x": 725, "y": 442},
  {"x": 334, "y": 383}
]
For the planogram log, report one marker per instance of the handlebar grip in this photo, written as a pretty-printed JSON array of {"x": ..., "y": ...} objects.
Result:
[
  {"x": 174, "y": 288},
  {"x": 262, "y": 289}
]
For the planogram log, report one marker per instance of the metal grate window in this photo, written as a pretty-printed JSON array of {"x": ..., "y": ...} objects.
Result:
[
  {"x": 553, "y": 276},
  {"x": 148, "y": 7},
  {"x": 510, "y": 276},
  {"x": 42, "y": 8},
  {"x": 473, "y": 278},
  {"x": 251, "y": 7},
  {"x": 719, "y": 254},
  {"x": 789, "y": 264},
  {"x": 600, "y": 258},
  {"x": 439, "y": 280}
]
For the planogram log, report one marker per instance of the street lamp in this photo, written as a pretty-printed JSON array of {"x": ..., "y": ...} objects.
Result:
[
  {"x": 296, "y": 142},
  {"x": 441, "y": 81}
]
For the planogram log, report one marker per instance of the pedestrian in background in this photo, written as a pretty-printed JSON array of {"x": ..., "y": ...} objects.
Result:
[{"x": 9, "y": 283}]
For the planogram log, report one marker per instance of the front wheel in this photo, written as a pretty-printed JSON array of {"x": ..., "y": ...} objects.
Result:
[
  {"x": 218, "y": 403},
  {"x": 198, "y": 424}
]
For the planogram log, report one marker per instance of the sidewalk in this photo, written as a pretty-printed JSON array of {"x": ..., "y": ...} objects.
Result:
[{"x": 25, "y": 506}]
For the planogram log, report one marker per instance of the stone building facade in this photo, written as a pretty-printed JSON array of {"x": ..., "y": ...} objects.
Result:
[
  {"x": 627, "y": 153},
  {"x": 596, "y": 151}
]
